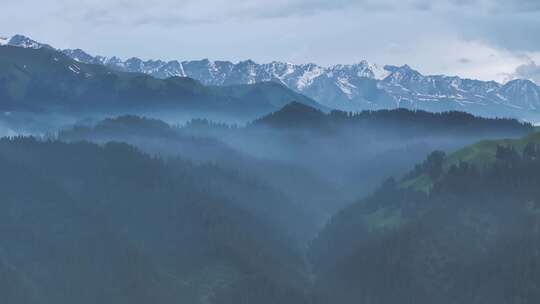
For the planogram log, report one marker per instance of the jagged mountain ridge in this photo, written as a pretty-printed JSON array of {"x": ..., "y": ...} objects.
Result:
[
  {"x": 40, "y": 79},
  {"x": 346, "y": 87}
]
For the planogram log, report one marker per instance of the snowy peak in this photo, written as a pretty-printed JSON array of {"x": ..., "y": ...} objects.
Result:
[
  {"x": 363, "y": 69},
  {"x": 523, "y": 85},
  {"x": 24, "y": 42},
  {"x": 79, "y": 55},
  {"x": 378, "y": 72},
  {"x": 298, "y": 77},
  {"x": 309, "y": 73},
  {"x": 522, "y": 93},
  {"x": 402, "y": 74}
]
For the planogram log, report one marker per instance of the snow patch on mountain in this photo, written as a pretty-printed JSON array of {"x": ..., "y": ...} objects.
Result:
[
  {"x": 346, "y": 87},
  {"x": 74, "y": 68},
  {"x": 4, "y": 40},
  {"x": 309, "y": 76},
  {"x": 24, "y": 42},
  {"x": 378, "y": 72}
]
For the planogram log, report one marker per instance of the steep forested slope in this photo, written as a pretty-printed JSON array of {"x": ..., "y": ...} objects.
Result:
[
  {"x": 83, "y": 223},
  {"x": 470, "y": 236}
]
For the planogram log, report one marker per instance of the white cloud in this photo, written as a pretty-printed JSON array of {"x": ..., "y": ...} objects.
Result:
[{"x": 529, "y": 70}]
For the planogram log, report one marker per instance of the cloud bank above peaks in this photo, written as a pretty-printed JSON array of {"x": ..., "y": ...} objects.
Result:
[{"x": 530, "y": 71}]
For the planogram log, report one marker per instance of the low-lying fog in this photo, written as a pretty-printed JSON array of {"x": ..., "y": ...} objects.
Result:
[{"x": 320, "y": 162}]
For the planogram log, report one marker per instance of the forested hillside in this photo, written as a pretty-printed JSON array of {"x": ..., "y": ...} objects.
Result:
[
  {"x": 83, "y": 223},
  {"x": 470, "y": 236},
  {"x": 132, "y": 210},
  {"x": 319, "y": 161}
]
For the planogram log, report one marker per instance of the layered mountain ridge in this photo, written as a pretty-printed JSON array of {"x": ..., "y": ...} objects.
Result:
[
  {"x": 362, "y": 86},
  {"x": 42, "y": 79}
]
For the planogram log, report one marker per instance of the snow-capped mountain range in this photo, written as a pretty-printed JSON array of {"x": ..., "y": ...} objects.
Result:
[{"x": 347, "y": 87}]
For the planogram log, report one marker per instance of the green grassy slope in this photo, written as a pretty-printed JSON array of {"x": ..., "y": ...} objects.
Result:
[{"x": 480, "y": 155}]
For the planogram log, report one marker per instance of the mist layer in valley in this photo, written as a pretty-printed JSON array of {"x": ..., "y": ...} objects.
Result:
[{"x": 132, "y": 208}]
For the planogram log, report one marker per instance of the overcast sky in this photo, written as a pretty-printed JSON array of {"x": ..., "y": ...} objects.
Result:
[{"x": 484, "y": 39}]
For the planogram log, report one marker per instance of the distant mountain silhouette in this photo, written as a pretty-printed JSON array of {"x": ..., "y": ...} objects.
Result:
[
  {"x": 298, "y": 115},
  {"x": 294, "y": 114},
  {"x": 42, "y": 79}
]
